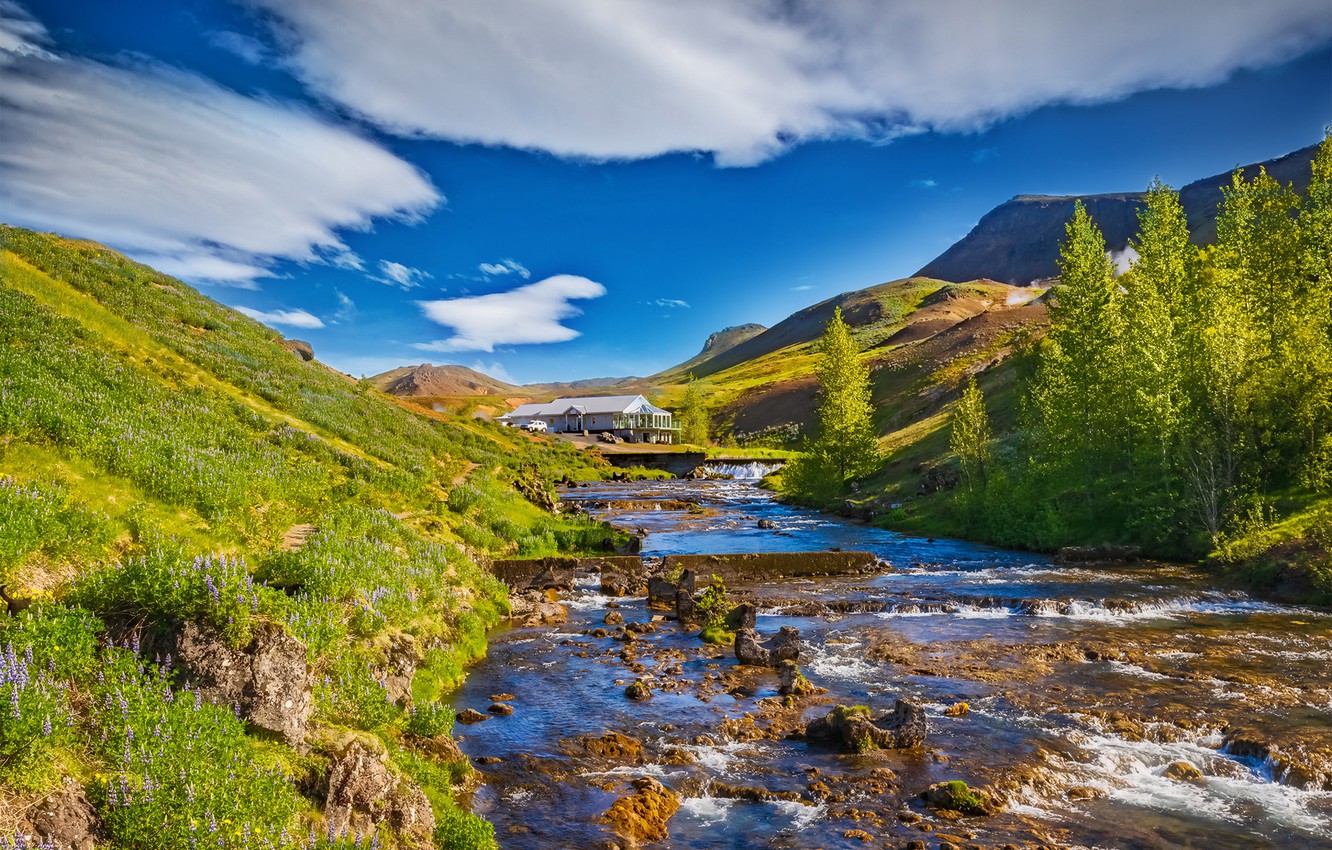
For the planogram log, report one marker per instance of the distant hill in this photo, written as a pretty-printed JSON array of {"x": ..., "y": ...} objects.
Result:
[
  {"x": 1018, "y": 241},
  {"x": 717, "y": 344},
  {"x": 428, "y": 380}
]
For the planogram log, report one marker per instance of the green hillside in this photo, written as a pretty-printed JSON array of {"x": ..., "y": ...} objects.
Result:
[{"x": 168, "y": 468}]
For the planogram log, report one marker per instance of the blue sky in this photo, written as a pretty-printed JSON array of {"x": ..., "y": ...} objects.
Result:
[{"x": 551, "y": 191}]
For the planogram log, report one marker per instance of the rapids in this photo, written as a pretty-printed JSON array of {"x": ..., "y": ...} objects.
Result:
[{"x": 1083, "y": 684}]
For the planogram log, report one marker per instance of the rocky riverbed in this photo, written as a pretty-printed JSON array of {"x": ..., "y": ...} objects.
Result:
[{"x": 1121, "y": 707}]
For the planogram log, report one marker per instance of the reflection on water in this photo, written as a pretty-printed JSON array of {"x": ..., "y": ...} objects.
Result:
[{"x": 1087, "y": 689}]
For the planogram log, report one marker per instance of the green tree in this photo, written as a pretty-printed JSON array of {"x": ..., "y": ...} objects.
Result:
[
  {"x": 1158, "y": 307},
  {"x": 970, "y": 438},
  {"x": 695, "y": 421},
  {"x": 1077, "y": 393},
  {"x": 847, "y": 440}
]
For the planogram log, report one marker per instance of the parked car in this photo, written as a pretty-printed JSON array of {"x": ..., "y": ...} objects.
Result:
[{"x": 536, "y": 425}]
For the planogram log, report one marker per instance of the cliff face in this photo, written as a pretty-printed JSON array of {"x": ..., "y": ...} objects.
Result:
[{"x": 1018, "y": 241}]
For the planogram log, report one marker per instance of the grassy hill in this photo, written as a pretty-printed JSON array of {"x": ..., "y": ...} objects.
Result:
[{"x": 170, "y": 469}]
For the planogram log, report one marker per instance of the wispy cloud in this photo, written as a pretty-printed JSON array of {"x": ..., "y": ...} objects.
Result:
[
  {"x": 503, "y": 267},
  {"x": 673, "y": 303},
  {"x": 396, "y": 274},
  {"x": 250, "y": 49},
  {"x": 182, "y": 173},
  {"x": 526, "y": 315},
  {"x": 984, "y": 155},
  {"x": 747, "y": 80},
  {"x": 494, "y": 369},
  {"x": 289, "y": 318},
  {"x": 346, "y": 308},
  {"x": 927, "y": 183},
  {"x": 804, "y": 287}
]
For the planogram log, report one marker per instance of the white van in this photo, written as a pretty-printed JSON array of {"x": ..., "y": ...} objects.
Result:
[{"x": 536, "y": 425}]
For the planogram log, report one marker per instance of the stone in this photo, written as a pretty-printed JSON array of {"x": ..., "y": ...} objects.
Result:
[
  {"x": 532, "y": 609},
  {"x": 613, "y": 746},
  {"x": 1183, "y": 771},
  {"x": 65, "y": 819},
  {"x": 469, "y": 716},
  {"x": 742, "y": 616},
  {"x": 613, "y": 618},
  {"x": 685, "y": 606},
  {"x": 269, "y": 681},
  {"x": 955, "y": 796},
  {"x": 857, "y": 835},
  {"x": 299, "y": 347},
  {"x": 957, "y": 709},
  {"x": 784, "y": 646},
  {"x": 642, "y": 816},
  {"x": 500, "y": 709},
  {"x": 660, "y": 593},
  {"x": 791, "y": 682},
  {"x": 766, "y": 524},
  {"x": 638, "y": 690},
  {"x": 363, "y": 793},
  {"x": 401, "y": 658},
  {"x": 855, "y": 730}
]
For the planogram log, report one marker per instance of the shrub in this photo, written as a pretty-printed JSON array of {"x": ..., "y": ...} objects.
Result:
[{"x": 430, "y": 720}]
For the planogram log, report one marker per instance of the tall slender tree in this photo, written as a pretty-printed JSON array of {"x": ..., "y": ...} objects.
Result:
[
  {"x": 847, "y": 437},
  {"x": 695, "y": 422},
  {"x": 970, "y": 437}
]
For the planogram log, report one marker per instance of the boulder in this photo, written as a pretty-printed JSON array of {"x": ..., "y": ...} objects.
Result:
[
  {"x": 791, "y": 682},
  {"x": 1097, "y": 555},
  {"x": 613, "y": 746},
  {"x": 854, "y": 729},
  {"x": 783, "y": 646},
  {"x": 532, "y": 609},
  {"x": 268, "y": 682},
  {"x": 955, "y": 796},
  {"x": 500, "y": 709},
  {"x": 613, "y": 618},
  {"x": 363, "y": 793},
  {"x": 469, "y": 716},
  {"x": 638, "y": 690},
  {"x": 401, "y": 658},
  {"x": 64, "y": 819},
  {"x": 642, "y": 816},
  {"x": 1182, "y": 771},
  {"x": 660, "y": 593},
  {"x": 766, "y": 524},
  {"x": 685, "y": 606},
  {"x": 299, "y": 347},
  {"x": 742, "y": 617}
]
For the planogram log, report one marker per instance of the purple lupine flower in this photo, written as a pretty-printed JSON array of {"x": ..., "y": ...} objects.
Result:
[{"x": 46, "y": 726}]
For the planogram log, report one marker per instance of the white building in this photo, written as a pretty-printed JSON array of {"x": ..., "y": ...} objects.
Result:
[{"x": 630, "y": 417}]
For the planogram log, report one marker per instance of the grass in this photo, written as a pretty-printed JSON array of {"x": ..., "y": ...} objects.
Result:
[{"x": 156, "y": 447}]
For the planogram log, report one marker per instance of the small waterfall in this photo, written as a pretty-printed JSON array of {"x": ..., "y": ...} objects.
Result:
[{"x": 751, "y": 471}]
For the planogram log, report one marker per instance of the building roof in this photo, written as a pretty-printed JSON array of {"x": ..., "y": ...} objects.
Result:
[{"x": 586, "y": 405}]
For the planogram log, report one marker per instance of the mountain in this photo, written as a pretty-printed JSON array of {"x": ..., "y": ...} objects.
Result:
[
  {"x": 717, "y": 344},
  {"x": 434, "y": 381},
  {"x": 1018, "y": 241}
]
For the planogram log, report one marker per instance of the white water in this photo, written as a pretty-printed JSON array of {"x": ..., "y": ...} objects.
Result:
[{"x": 752, "y": 471}]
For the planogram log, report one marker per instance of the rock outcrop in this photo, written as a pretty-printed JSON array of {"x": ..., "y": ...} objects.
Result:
[
  {"x": 791, "y": 682},
  {"x": 65, "y": 819},
  {"x": 955, "y": 796},
  {"x": 363, "y": 793},
  {"x": 783, "y": 646},
  {"x": 268, "y": 682},
  {"x": 854, "y": 729},
  {"x": 642, "y": 816},
  {"x": 533, "y": 609}
]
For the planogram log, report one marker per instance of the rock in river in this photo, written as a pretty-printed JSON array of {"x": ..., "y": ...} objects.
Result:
[
  {"x": 855, "y": 730},
  {"x": 641, "y": 817},
  {"x": 784, "y": 646}
]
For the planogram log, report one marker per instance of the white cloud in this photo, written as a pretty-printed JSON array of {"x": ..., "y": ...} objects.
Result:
[
  {"x": 179, "y": 171},
  {"x": 346, "y": 308},
  {"x": 746, "y": 79},
  {"x": 290, "y": 318},
  {"x": 532, "y": 313},
  {"x": 495, "y": 370},
  {"x": 250, "y": 49},
  {"x": 804, "y": 287},
  {"x": 403, "y": 277},
  {"x": 505, "y": 266},
  {"x": 674, "y": 303},
  {"x": 927, "y": 183}
]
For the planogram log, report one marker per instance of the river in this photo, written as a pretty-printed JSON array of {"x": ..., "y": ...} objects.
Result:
[{"x": 1082, "y": 686}]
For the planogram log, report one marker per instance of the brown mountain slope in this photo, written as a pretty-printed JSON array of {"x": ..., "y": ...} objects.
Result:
[
  {"x": 430, "y": 381},
  {"x": 1018, "y": 241}
]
